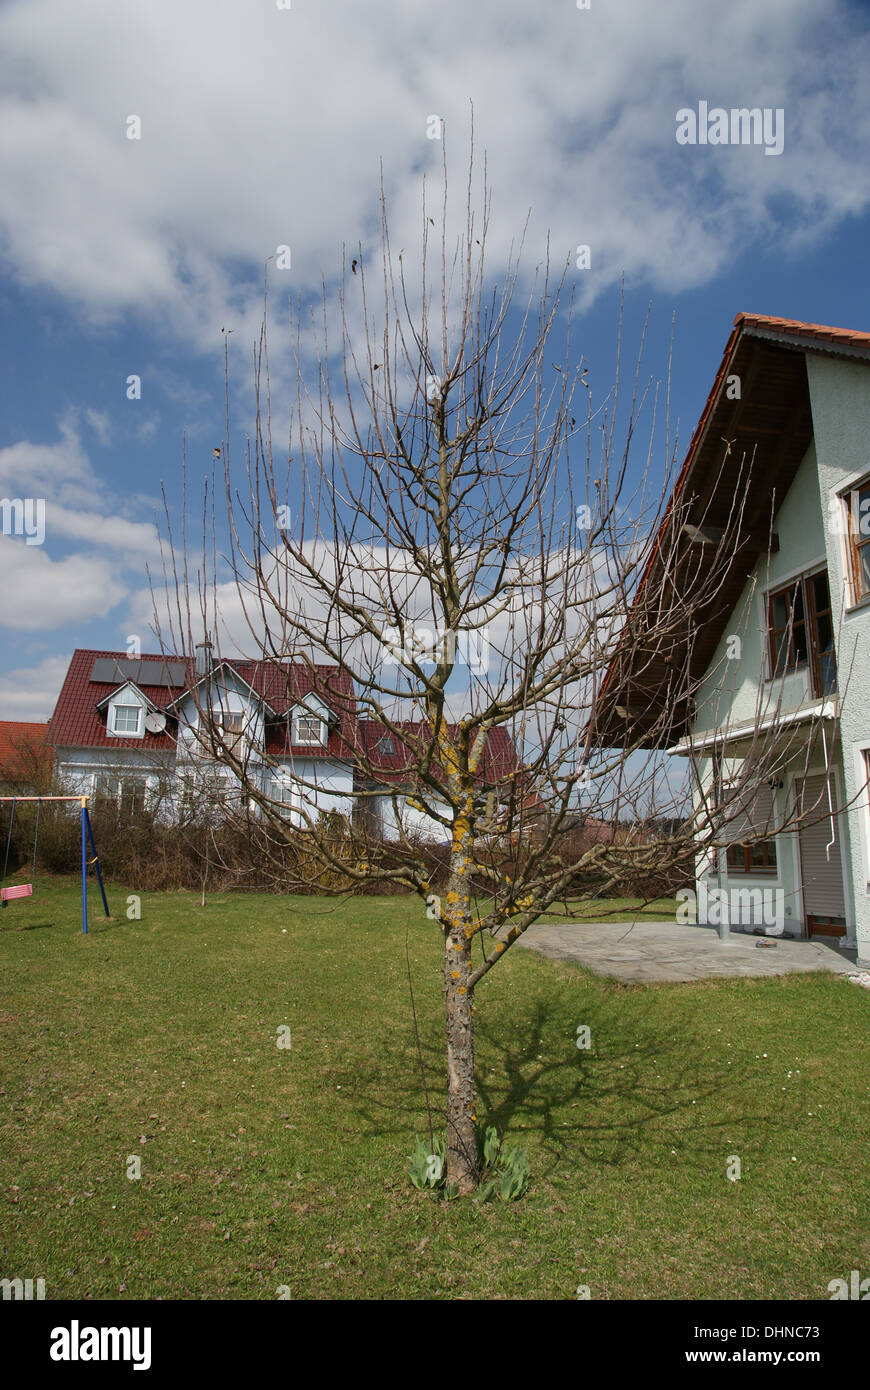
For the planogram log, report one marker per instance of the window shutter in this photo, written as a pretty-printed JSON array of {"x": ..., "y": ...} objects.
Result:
[{"x": 749, "y": 815}]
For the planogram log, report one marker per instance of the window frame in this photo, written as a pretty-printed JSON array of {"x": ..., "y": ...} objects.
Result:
[
  {"x": 810, "y": 617},
  {"x": 126, "y": 733},
  {"x": 230, "y": 728},
  {"x": 309, "y": 719},
  {"x": 856, "y": 542}
]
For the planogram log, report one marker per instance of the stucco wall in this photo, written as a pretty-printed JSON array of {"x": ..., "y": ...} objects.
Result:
[
  {"x": 840, "y": 397},
  {"x": 735, "y": 691}
]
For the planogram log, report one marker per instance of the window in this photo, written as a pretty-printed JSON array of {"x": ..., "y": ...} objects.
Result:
[
  {"x": 125, "y": 791},
  {"x": 230, "y": 726},
  {"x": 126, "y": 719},
  {"x": 801, "y": 631},
  {"x": 307, "y": 728},
  {"x": 284, "y": 794},
  {"x": 821, "y": 633},
  {"x": 858, "y": 530},
  {"x": 748, "y": 816},
  {"x": 788, "y": 629},
  {"x": 758, "y": 858},
  {"x": 386, "y": 746}
]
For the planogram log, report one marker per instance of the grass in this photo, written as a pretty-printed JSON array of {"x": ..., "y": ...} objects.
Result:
[{"x": 264, "y": 1167}]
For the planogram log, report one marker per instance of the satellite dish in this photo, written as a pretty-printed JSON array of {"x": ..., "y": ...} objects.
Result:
[{"x": 155, "y": 722}]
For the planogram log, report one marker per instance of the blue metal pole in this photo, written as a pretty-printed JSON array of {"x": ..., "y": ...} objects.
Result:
[
  {"x": 84, "y": 869},
  {"x": 96, "y": 859}
]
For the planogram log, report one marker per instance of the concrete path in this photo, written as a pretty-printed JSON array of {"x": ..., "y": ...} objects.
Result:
[{"x": 652, "y": 951}]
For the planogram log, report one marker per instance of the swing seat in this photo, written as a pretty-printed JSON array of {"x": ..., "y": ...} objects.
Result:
[{"x": 22, "y": 890}]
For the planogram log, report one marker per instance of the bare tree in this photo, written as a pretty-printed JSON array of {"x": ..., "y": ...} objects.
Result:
[{"x": 463, "y": 527}]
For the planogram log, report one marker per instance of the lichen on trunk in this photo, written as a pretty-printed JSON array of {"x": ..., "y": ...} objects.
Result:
[{"x": 462, "y": 1161}]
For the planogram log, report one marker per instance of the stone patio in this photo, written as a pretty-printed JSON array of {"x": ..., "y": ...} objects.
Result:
[{"x": 650, "y": 951}]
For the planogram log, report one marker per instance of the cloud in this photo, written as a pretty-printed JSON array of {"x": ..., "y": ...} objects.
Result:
[
  {"x": 47, "y": 589},
  {"x": 77, "y": 504},
  {"x": 42, "y": 593},
  {"x": 99, "y": 423},
  {"x": 30, "y": 692},
  {"x": 263, "y": 127}
]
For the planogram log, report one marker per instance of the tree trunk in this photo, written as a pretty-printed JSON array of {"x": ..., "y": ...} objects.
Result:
[{"x": 462, "y": 1162}]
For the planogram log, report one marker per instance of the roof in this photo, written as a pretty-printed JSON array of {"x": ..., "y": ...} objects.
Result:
[
  {"x": 77, "y": 723},
  {"x": 771, "y": 420},
  {"x": 24, "y": 748},
  {"x": 499, "y": 759}
]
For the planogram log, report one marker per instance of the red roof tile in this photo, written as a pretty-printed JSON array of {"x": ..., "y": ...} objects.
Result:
[
  {"x": 24, "y": 748},
  {"x": 499, "y": 756},
  {"x": 837, "y": 337}
]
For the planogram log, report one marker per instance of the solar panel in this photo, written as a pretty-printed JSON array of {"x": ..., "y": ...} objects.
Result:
[
  {"x": 166, "y": 673},
  {"x": 113, "y": 670}
]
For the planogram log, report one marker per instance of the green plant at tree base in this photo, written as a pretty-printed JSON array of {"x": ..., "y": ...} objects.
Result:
[{"x": 504, "y": 1172}]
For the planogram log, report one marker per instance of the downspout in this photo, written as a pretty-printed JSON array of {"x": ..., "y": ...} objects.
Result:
[{"x": 833, "y": 840}]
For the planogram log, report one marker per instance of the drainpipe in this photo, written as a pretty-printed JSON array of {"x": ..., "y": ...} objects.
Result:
[{"x": 833, "y": 840}]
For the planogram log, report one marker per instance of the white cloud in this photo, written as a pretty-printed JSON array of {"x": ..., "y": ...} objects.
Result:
[
  {"x": 41, "y": 593},
  {"x": 78, "y": 505},
  {"x": 46, "y": 588},
  {"x": 263, "y": 126},
  {"x": 99, "y": 423},
  {"x": 30, "y": 692}
]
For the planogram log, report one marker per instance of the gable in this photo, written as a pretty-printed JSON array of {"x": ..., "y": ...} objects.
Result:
[{"x": 771, "y": 425}]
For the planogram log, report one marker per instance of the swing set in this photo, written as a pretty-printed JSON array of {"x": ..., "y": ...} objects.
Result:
[{"x": 25, "y": 890}]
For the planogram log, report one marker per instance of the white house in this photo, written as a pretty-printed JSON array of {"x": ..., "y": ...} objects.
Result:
[
  {"x": 144, "y": 730},
  {"x": 137, "y": 729},
  {"x": 788, "y": 647}
]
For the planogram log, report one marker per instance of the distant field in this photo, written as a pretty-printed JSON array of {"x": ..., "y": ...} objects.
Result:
[{"x": 264, "y": 1167}]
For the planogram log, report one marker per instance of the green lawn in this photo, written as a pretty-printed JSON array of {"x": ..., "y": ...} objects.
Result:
[{"x": 264, "y": 1167}]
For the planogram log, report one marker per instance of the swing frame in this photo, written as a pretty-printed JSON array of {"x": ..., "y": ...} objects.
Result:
[{"x": 87, "y": 835}]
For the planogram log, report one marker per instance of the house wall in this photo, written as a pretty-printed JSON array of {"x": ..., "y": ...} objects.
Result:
[
  {"x": 840, "y": 398},
  {"x": 415, "y": 821},
  {"x": 332, "y": 788},
  {"x": 77, "y": 767},
  {"x": 230, "y": 697},
  {"x": 736, "y": 691}
]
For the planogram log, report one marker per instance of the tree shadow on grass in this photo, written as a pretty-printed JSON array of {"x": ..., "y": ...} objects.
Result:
[{"x": 642, "y": 1086}]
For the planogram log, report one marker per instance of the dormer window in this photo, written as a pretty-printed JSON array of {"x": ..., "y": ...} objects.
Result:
[
  {"x": 309, "y": 722},
  {"x": 307, "y": 728},
  {"x": 126, "y": 720}
]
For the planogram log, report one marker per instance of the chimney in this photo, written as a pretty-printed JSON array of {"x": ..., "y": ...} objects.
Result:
[{"x": 203, "y": 658}]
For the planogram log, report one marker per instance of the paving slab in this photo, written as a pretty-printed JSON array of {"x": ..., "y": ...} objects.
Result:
[{"x": 652, "y": 951}]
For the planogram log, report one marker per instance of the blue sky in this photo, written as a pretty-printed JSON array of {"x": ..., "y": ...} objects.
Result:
[{"x": 263, "y": 126}]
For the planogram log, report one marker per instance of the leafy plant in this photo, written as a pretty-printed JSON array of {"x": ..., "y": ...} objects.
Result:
[
  {"x": 504, "y": 1172},
  {"x": 426, "y": 1166}
]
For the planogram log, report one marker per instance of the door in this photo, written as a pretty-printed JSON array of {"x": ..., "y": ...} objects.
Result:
[{"x": 821, "y": 866}]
